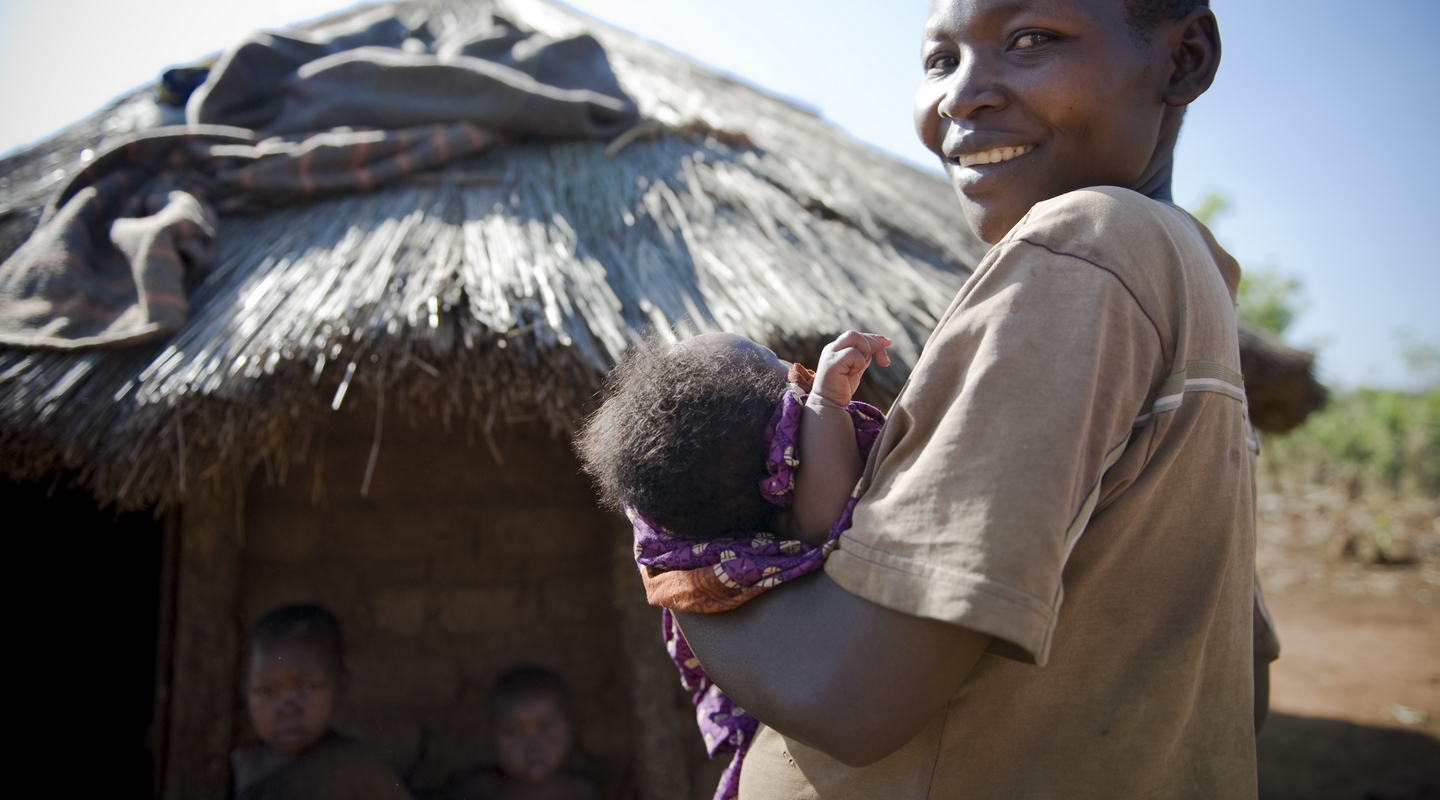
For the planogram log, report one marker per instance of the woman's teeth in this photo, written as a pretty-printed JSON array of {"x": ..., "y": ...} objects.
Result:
[{"x": 995, "y": 156}]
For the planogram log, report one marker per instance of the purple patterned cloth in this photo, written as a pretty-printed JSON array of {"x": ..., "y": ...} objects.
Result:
[{"x": 715, "y": 575}]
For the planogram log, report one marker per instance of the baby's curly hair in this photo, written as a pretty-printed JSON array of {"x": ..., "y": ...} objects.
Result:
[{"x": 680, "y": 436}]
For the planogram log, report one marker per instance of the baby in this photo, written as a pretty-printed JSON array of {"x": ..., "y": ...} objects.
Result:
[
  {"x": 701, "y": 444},
  {"x": 533, "y": 736},
  {"x": 294, "y": 676},
  {"x": 682, "y": 442}
]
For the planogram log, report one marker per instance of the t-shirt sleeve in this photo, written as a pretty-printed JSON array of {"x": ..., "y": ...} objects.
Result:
[{"x": 991, "y": 463}]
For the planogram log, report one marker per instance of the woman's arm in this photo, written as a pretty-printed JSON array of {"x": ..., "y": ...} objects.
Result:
[{"x": 848, "y": 677}]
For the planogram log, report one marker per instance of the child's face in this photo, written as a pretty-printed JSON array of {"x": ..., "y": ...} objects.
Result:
[
  {"x": 533, "y": 737},
  {"x": 1052, "y": 96},
  {"x": 291, "y": 697}
]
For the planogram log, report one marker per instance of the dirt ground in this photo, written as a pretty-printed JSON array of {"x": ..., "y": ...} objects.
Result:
[{"x": 1354, "y": 588}]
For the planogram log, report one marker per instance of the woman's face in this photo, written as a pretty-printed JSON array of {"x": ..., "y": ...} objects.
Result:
[{"x": 1026, "y": 100}]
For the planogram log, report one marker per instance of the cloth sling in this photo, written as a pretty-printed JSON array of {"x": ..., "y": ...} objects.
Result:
[{"x": 709, "y": 576}]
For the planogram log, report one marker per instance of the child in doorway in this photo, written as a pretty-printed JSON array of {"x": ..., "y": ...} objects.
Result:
[
  {"x": 701, "y": 443},
  {"x": 534, "y": 735},
  {"x": 294, "y": 676}
]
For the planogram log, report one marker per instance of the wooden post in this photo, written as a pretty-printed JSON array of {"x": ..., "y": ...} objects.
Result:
[
  {"x": 159, "y": 734},
  {"x": 206, "y": 648},
  {"x": 662, "y": 762}
]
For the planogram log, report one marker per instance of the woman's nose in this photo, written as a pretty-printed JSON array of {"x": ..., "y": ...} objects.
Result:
[{"x": 972, "y": 88}]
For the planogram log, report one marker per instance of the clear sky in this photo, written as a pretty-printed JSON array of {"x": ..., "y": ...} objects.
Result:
[{"x": 1320, "y": 128}]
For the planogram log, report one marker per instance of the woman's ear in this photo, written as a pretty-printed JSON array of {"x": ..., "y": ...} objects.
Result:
[{"x": 1194, "y": 45}]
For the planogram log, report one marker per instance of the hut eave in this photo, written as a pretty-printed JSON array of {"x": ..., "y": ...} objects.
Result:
[{"x": 477, "y": 302}]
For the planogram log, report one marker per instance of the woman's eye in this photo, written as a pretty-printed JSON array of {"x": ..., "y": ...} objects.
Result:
[
  {"x": 941, "y": 64},
  {"x": 1032, "y": 40}
]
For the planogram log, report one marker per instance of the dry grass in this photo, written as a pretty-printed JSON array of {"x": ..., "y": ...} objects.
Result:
[
  {"x": 1317, "y": 538},
  {"x": 502, "y": 288},
  {"x": 473, "y": 303}
]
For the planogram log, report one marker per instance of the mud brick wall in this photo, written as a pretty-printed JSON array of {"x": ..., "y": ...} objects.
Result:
[{"x": 451, "y": 571}]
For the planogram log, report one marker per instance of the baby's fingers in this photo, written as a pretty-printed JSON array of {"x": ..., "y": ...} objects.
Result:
[
  {"x": 873, "y": 345},
  {"x": 882, "y": 355},
  {"x": 870, "y": 344},
  {"x": 851, "y": 360}
]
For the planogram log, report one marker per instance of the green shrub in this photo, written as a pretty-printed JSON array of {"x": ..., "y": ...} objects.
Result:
[
  {"x": 1269, "y": 300},
  {"x": 1367, "y": 439}
]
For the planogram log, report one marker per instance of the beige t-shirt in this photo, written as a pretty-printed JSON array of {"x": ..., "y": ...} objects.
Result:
[{"x": 1070, "y": 470}]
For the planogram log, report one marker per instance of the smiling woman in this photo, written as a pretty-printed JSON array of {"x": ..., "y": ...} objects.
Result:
[
  {"x": 1027, "y": 101},
  {"x": 965, "y": 639}
]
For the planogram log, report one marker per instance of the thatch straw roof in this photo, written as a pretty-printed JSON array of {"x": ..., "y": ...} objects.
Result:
[
  {"x": 1279, "y": 382},
  {"x": 498, "y": 290}
]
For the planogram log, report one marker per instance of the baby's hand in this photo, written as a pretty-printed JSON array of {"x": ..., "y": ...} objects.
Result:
[{"x": 844, "y": 361}]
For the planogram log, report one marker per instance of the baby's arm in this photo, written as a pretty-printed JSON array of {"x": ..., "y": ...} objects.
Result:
[{"x": 830, "y": 463}]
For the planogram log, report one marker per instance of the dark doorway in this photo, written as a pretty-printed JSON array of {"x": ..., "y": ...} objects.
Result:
[{"x": 84, "y": 621}]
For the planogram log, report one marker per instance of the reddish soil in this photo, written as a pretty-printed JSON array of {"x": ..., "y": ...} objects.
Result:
[{"x": 1356, "y": 693}]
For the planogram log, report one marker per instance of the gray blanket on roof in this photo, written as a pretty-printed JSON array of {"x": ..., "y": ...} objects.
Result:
[
  {"x": 118, "y": 250},
  {"x": 380, "y": 72}
]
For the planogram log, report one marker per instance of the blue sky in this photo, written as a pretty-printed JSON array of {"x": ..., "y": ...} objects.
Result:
[{"x": 1320, "y": 127}]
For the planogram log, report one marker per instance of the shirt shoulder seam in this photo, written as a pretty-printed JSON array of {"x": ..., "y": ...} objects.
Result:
[{"x": 1112, "y": 273}]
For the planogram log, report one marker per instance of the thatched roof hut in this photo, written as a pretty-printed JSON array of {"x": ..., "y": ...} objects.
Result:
[
  {"x": 501, "y": 288},
  {"x": 368, "y": 404},
  {"x": 363, "y": 407}
]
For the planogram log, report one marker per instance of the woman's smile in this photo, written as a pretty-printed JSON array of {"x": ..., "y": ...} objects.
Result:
[{"x": 995, "y": 155}]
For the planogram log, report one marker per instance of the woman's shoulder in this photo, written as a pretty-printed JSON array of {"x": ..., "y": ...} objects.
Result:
[
  {"x": 1148, "y": 245},
  {"x": 1103, "y": 223}
]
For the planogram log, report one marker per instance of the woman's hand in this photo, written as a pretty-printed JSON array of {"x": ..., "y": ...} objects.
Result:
[{"x": 844, "y": 361}]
